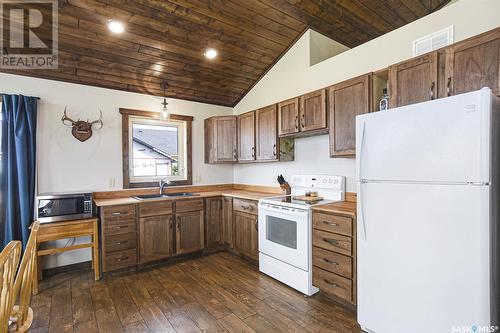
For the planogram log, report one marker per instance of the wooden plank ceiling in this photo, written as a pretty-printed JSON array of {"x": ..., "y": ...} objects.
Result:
[{"x": 165, "y": 40}]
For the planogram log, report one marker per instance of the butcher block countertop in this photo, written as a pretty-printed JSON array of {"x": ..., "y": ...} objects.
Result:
[
  {"x": 343, "y": 207},
  {"x": 125, "y": 197}
]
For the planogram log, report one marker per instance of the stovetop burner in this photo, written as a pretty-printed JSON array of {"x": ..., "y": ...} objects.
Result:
[{"x": 290, "y": 199}]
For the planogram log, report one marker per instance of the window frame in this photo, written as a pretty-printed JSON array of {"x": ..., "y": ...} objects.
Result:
[{"x": 128, "y": 116}]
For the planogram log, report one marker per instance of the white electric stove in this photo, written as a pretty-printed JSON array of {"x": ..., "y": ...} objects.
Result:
[{"x": 285, "y": 230}]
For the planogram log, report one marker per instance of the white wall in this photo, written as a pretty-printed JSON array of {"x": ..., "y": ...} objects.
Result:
[
  {"x": 65, "y": 164},
  {"x": 292, "y": 76}
]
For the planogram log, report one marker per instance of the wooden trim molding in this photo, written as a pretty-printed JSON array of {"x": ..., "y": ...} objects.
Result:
[{"x": 126, "y": 113}]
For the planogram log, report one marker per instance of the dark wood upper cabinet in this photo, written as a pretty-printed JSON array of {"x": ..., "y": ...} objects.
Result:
[
  {"x": 155, "y": 238},
  {"x": 473, "y": 64},
  {"x": 246, "y": 136},
  {"x": 266, "y": 131},
  {"x": 190, "y": 232},
  {"x": 288, "y": 117},
  {"x": 413, "y": 81},
  {"x": 213, "y": 215},
  {"x": 221, "y": 140},
  {"x": 312, "y": 111},
  {"x": 347, "y": 100}
]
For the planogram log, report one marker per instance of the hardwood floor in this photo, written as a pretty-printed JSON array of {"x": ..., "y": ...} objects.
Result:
[{"x": 217, "y": 293}]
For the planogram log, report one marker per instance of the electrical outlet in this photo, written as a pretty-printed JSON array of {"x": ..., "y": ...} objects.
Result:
[
  {"x": 197, "y": 179},
  {"x": 111, "y": 182}
]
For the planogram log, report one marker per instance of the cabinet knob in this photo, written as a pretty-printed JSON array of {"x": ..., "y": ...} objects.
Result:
[
  {"x": 253, "y": 152},
  {"x": 274, "y": 150},
  {"x": 296, "y": 122},
  {"x": 303, "y": 121}
]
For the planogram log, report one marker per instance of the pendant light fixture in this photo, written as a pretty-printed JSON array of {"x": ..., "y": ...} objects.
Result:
[{"x": 164, "y": 115}]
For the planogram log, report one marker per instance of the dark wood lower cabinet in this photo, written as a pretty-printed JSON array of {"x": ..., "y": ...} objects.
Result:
[
  {"x": 213, "y": 215},
  {"x": 190, "y": 232},
  {"x": 246, "y": 239},
  {"x": 155, "y": 238},
  {"x": 164, "y": 229}
]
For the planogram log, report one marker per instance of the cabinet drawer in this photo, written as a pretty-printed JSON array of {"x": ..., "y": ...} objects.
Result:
[
  {"x": 121, "y": 242},
  {"x": 333, "y": 262},
  {"x": 121, "y": 259},
  {"x": 188, "y": 205},
  {"x": 119, "y": 227},
  {"x": 245, "y": 206},
  {"x": 332, "y": 284},
  {"x": 332, "y": 242},
  {"x": 333, "y": 223},
  {"x": 162, "y": 207},
  {"x": 116, "y": 213}
]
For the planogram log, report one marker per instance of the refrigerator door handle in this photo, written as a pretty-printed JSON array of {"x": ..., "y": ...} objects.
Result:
[
  {"x": 362, "y": 210},
  {"x": 359, "y": 160}
]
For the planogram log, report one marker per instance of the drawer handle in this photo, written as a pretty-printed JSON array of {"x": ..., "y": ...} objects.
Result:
[
  {"x": 121, "y": 259},
  {"x": 331, "y": 241},
  {"x": 120, "y": 227},
  {"x": 257, "y": 224},
  {"x": 330, "y": 262},
  {"x": 120, "y": 243},
  {"x": 247, "y": 207},
  {"x": 333, "y": 284},
  {"x": 330, "y": 223},
  {"x": 118, "y": 213},
  {"x": 296, "y": 122},
  {"x": 448, "y": 87}
]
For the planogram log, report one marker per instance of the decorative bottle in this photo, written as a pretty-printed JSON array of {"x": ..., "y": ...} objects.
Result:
[{"x": 384, "y": 101}]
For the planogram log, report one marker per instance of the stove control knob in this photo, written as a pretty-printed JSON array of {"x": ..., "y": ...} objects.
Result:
[
  {"x": 330, "y": 181},
  {"x": 324, "y": 180}
]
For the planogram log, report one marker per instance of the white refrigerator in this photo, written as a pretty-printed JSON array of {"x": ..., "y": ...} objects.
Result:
[{"x": 427, "y": 226}]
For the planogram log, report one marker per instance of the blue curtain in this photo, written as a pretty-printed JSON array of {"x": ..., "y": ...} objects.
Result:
[{"x": 17, "y": 181}]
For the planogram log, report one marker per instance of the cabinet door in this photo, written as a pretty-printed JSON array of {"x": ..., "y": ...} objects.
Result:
[
  {"x": 155, "y": 238},
  {"x": 313, "y": 111},
  {"x": 473, "y": 64},
  {"x": 245, "y": 234},
  {"x": 213, "y": 213},
  {"x": 413, "y": 81},
  {"x": 227, "y": 221},
  {"x": 266, "y": 133},
  {"x": 190, "y": 232},
  {"x": 246, "y": 136},
  {"x": 220, "y": 140},
  {"x": 288, "y": 117},
  {"x": 347, "y": 100}
]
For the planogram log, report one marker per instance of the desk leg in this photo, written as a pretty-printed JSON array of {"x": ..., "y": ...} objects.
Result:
[{"x": 95, "y": 252}]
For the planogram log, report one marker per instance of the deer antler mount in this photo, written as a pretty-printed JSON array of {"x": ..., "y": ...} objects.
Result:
[{"x": 82, "y": 130}]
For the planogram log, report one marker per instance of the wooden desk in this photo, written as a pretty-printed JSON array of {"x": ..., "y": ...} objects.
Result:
[{"x": 68, "y": 229}]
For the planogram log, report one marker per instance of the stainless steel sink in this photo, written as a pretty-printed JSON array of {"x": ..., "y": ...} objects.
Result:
[
  {"x": 150, "y": 196},
  {"x": 169, "y": 195},
  {"x": 181, "y": 194}
]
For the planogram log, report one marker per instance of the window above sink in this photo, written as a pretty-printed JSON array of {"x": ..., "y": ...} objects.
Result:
[{"x": 155, "y": 149}]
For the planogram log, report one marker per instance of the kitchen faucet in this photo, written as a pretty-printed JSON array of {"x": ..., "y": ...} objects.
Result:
[{"x": 163, "y": 183}]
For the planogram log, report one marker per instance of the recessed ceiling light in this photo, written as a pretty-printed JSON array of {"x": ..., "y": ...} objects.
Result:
[
  {"x": 116, "y": 26},
  {"x": 210, "y": 53}
]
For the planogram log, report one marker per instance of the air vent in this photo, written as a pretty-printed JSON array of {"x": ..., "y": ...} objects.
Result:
[{"x": 433, "y": 41}]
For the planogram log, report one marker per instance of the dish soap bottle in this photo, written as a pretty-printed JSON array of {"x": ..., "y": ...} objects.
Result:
[{"x": 384, "y": 101}]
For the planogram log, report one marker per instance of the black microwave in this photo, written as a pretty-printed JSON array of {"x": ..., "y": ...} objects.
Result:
[{"x": 64, "y": 207}]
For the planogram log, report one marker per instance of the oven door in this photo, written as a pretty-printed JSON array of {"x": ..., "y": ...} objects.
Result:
[{"x": 284, "y": 234}]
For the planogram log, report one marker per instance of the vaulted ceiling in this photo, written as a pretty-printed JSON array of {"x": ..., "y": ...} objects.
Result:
[{"x": 165, "y": 40}]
